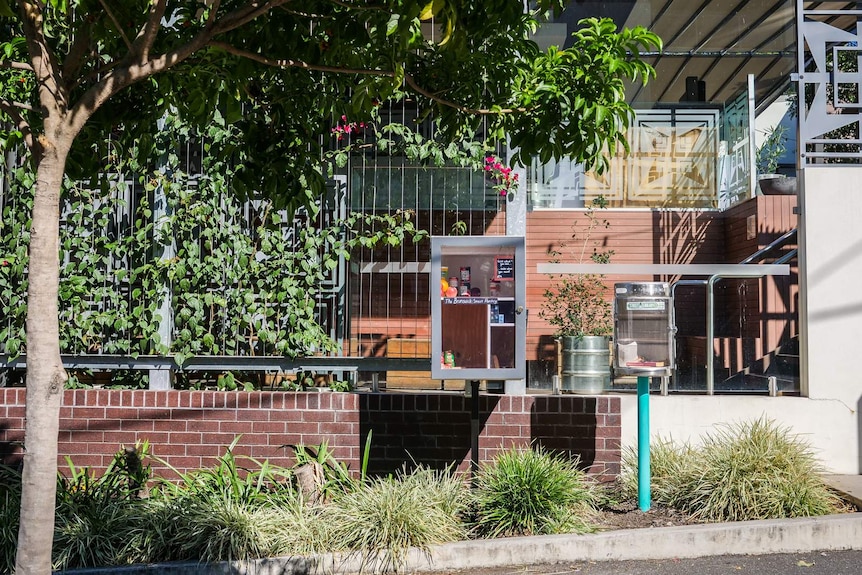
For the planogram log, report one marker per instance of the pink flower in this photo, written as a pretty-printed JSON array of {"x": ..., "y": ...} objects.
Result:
[
  {"x": 346, "y": 128},
  {"x": 507, "y": 181}
]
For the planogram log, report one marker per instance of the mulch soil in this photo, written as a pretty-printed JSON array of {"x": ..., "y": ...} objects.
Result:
[{"x": 627, "y": 515}]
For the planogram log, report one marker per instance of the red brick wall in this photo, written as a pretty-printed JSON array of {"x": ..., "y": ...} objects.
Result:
[
  {"x": 435, "y": 429},
  {"x": 190, "y": 429}
]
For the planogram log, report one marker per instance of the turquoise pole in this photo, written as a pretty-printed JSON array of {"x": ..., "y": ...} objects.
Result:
[{"x": 644, "y": 494}]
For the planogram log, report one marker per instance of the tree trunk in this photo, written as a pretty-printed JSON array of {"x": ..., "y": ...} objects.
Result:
[{"x": 45, "y": 374}]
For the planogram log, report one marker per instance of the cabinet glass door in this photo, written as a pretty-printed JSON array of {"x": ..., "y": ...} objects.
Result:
[{"x": 478, "y": 314}]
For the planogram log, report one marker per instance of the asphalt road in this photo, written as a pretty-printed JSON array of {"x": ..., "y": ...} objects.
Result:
[{"x": 811, "y": 563}]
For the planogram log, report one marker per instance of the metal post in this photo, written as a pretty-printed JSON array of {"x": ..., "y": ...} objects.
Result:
[
  {"x": 161, "y": 378},
  {"x": 710, "y": 336},
  {"x": 644, "y": 493},
  {"x": 474, "y": 427}
]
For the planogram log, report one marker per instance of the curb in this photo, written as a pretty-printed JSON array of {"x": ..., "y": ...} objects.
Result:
[{"x": 827, "y": 533}]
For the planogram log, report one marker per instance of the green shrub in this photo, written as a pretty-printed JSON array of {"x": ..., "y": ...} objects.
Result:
[
  {"x": 743, "y": 471},
  {"x": 293, "y": 528},
  {"x": 214, "y": 514},
  {"x": 91, "y": 536},
  {"x": 532, "y": 492},
  {"x": 383, "y": 517},
  {"x": 757, "y": 470},
  {"x": 214, "y": 529},
  {"x": 10, "y": 503},
  {"x": 95, "y": 515}
]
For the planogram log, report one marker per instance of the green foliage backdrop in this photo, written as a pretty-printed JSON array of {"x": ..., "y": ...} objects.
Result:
[{"x": 243, "y": 276}]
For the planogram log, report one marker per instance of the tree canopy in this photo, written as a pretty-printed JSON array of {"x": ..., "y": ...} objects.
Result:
[
  {"x": 285, "y": 73},
  {"x": 73, "y": 72}
]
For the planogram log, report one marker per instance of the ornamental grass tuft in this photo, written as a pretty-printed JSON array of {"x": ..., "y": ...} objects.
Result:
[
  {"x": 10, "y": 504},
  {"x": 669, "y": 462},
  {"x": 97, "y": 517},
  {"x": 382, "y": 518},
  {"x": 533, "y": 492},
  {"x": 219, "y": 514},
  {"x": 749, "y": 470}
]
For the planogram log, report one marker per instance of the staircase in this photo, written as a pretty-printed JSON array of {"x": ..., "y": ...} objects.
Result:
[{"x": 777, "y": 373}]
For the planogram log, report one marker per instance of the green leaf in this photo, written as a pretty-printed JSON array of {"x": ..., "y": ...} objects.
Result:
[
  {"x": 6, "y": 11},
  {"x": 392, "y": 25}
]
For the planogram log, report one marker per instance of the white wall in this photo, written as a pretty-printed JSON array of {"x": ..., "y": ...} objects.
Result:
[
  {"x": 831, "y": 287},
  {"x": 829, "y": 425}
]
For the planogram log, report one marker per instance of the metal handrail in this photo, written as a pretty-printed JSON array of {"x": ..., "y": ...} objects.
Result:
[
  {"x": 710, "y": 295},
  {"x": 778, "y": 242}
]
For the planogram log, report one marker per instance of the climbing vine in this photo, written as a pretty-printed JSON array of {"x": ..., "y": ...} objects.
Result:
[{"x": 239, "y": 276}]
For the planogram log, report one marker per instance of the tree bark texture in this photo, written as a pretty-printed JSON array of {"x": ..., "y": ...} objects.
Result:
[{"x": 45, "y": 374}]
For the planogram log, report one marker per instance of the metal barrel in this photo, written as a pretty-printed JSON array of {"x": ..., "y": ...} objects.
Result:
[{"x": 586, "y": 365}]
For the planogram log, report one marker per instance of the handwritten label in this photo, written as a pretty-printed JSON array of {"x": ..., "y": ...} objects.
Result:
[
  {"x": 470, "y": 300},
  {"x": 505, "y": 268}
]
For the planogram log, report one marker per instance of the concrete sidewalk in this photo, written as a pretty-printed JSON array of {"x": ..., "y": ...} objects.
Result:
[{"x": 849, "y": 486}]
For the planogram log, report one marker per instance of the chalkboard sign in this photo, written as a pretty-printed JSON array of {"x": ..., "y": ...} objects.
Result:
[{"x": 505, "y": 268}]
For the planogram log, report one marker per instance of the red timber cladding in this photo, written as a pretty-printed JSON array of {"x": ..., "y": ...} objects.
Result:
[
  {"x": 191, "y": 429},
  {"x": 771, "y": 316},
  {"x": 635, "y": 236},
  {"x": 396, "y": 306}
]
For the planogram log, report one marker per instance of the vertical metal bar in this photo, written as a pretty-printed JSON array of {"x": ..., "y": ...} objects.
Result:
[
  {"x": 474, "y": 427},
  {"x": 710, "y": 334},
  {"x": 644, "y": 490},
  {"x": 161, "y": 378},
  {"x": 802, "y": 136},
  {"x": 752, "y": 147},
  {"x": 341, "y": 300}
]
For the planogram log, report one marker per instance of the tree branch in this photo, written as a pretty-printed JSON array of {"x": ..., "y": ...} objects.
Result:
[
  {"x": 13, "y": 110},
  {"x": 245, "y": 15},
  {"x": 410, "y": 80},
  {"x": 147, "y": 34},
  {"x": 308, "y": 15},
  {"x": 45, "y": 66},
  {"x": 13, "y": 65},
  {"x": 7, "y": 105},
  {"x": 288, "y": 63},
  {"x": 137, "y": 65},
  {"x": 77, "y": 52},
  {"x": 352, "y": 6},
  {"x": 116, "y": 24}
]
